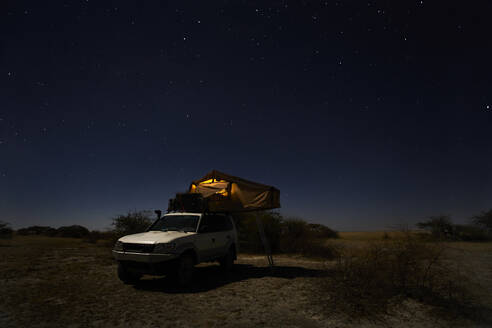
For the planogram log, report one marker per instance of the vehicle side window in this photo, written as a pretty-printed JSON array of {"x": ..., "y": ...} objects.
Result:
[
  {"x": 229, "y": 225},
  {"x": 224, "y": 223},
  {"x": 206, "y": 224},
  {"x": 215, "y": 223}
]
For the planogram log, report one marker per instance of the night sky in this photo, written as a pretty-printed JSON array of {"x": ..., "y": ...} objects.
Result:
[{"x": 364, "y": 114}]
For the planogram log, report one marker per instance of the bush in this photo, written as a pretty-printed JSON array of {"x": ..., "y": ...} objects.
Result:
[
  {"x": 37, "y": 230},
  {"x": 132, "y": 222},
  {"x": 484, "y": 221},
  {"x": 364, "y": 282},
  {"x": 298, "y": 236},
  {"x": 440, "y": 226},
  {"x": 470, "y": 233},
  {"x": 284, "y": 235},
  {"x": 5, "y": 230},
  {"x": 248, "y": 235},
  {"x": 322, "y": 231},
  {"x": 73, "y": 231},
  {"x": 295, "y": 236}
]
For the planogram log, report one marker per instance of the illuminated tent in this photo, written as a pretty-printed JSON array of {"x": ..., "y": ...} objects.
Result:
[{"x": 228, "y": 193}]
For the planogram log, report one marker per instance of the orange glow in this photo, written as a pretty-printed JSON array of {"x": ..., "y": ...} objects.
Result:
[
  {"x": 211, "y": 181},
  {"x": 222, "y": 192}
]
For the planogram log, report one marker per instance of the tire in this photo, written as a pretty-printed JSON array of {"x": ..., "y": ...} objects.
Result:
[
  {"x": 126, "y": 276},
  {"x": 184, "y": 270},
  {"x": 227, "y": 262}
]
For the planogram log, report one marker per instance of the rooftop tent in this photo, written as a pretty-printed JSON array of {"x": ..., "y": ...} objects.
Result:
[{"x": 228, "y": 193}]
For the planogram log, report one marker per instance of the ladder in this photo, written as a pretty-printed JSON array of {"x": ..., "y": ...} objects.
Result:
[{"x": 264, "y": 241}]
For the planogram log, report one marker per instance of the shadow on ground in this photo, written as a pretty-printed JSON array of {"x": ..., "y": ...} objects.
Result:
[{"x": 211, "y": 277}]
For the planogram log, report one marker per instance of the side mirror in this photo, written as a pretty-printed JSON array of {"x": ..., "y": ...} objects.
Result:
[
  {"x": 203, "y": 228},
  {"x": 159, "y": 213}
]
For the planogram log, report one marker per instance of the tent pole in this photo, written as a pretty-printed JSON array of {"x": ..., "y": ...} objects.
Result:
[{"x": 264, "y": 240}]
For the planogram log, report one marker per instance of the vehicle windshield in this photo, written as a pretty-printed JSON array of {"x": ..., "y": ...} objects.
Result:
[{"x": 186, "y": 223}]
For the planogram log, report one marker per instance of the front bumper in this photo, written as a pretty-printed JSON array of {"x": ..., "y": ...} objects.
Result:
[{"x": 143, "y": 257}]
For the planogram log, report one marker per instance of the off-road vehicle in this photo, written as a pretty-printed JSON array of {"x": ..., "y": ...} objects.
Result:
[{"x": 174, "y": 244}]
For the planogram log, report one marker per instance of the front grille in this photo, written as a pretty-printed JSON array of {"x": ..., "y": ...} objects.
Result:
[{"x": 138, "y": 248}]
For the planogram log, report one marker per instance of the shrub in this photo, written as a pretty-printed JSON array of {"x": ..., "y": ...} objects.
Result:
[
  {"x": 295, "y": 236},
  {"x": 249, "y": 237},
  {"x": 365, "y": 281},
  {"x": 298, "y": 236},
  {"x": 470, "y": 233},
  {"x": 292, "y": 235},
  {"x": 5, "y": 230},
  {"x": 318, "y": 248},
  {"x": 132, "y": 222},
  {"x": 322, "y": 231},
  {"x": 73, "y": 231},
  {"x": 37, "y": 230},
  {"x": 440, "y": 226},
  {"x": 484, "y": 221}
]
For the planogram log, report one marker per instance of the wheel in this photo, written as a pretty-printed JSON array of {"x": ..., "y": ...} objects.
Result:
[
  {"x": 126, "y": 276},
  {"x": 184, "y": 270},
  {"x": 228, "y": 260}
]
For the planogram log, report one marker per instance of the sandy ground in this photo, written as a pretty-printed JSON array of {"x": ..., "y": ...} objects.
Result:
[{"x": 54, "y": 282}]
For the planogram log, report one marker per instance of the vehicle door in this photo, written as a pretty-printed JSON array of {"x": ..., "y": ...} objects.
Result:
[
  {"x": 224, "y": 234},
  {"x": 205, "y": 238}
]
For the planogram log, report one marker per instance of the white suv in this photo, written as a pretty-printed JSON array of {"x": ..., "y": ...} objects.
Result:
[{"x": 173, "y": 244}]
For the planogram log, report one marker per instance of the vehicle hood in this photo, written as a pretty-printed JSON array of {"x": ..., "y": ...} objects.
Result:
[{"x": 155, "y": 237}]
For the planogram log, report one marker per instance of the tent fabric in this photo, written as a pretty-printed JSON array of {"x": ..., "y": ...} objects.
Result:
[
  {"x": 228, "y": 193},
  {"x": 209, "y": 189}
]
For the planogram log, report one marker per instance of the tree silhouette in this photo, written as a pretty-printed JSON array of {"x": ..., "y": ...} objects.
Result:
[{"x": 484, "y": 220}]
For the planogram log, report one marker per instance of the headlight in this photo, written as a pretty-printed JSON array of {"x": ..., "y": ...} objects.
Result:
[
  {"x": 164, "y": 248},
  {"x": 118, "y": 246}
]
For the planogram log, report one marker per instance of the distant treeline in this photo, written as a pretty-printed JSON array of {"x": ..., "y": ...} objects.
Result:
[
  {"x": 285, "y": 235},
  {"x": 441, "y": 227},
  {"x": 73, "y": 231}
]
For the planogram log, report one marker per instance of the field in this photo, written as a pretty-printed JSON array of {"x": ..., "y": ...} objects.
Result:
[{"x": 61, "y": 282}]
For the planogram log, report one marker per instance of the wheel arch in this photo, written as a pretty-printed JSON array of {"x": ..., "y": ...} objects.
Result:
[
  {"x": 234, "y": 250},
  {"x": 192, "y": 253}
]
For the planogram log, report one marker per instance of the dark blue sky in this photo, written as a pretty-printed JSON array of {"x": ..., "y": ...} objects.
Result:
[{"x": 364, "y": 114}]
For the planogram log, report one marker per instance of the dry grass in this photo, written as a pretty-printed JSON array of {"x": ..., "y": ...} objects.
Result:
[
  {"x": 374, "y": 273},
  {"x": 54, "y": 282},
  {"x": 373, "y": 235}
]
